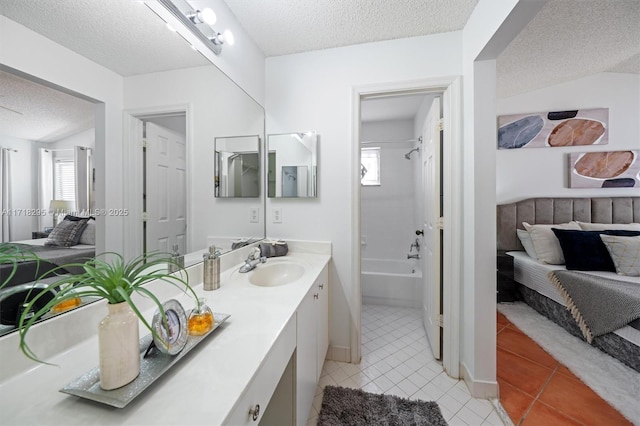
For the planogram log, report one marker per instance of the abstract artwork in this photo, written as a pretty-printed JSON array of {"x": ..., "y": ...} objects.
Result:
[
  {"x": 554, "y": 128},
  {"x": 610, "y": 169}
]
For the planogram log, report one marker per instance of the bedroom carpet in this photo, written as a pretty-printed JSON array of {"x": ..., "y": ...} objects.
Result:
[
  {"x": 544, "y": 381},
  {"x": 354, "y": 407}
]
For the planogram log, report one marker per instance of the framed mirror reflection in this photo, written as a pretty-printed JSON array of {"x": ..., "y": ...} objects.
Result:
[
  {"x": 292, "y": 165},
  {"x": 237, "y": 167}
]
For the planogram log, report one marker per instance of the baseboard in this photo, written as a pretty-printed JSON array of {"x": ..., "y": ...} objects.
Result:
[
  {"x": 390, "y": 301},
  {"x": 482, "y": 389},
  {"x": 339, "y": 353}
]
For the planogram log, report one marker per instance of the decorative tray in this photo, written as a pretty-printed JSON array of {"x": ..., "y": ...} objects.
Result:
[{"x": 152, "y": 367}]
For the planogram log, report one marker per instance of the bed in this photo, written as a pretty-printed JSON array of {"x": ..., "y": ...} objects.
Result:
[
  {"x": 66, "y": 248},
  {"x": 51, "y": 257},
  {"x": 532, "y": 277}
]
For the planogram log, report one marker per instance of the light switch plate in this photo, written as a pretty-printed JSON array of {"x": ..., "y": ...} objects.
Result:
[
  {"x": 254, "y": 215},
  {"x": 277, "y": 215}
]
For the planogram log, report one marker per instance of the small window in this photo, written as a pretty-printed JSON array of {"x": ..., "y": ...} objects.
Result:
[
  {"x": 370, "y": 167},
  {"x": 65, "y": 180}
]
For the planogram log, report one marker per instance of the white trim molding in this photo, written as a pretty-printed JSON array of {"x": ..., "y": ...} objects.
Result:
[{"x": 478, "y": 388}]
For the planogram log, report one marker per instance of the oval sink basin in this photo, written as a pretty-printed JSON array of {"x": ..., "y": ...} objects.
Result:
[{"x": 275, "y": 274}]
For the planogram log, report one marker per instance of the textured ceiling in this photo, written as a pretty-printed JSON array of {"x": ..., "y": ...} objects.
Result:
[
  {"x": 288, "y": 26},
  {"x": 122, "y": 35},
  {"x": 569, "y": 39},
  {"x": 34, "y": 112}
]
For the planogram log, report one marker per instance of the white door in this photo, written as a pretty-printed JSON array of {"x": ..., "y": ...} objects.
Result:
[
  {"x": 431, "y": 266},
  {"x": 165, "y": 189}
]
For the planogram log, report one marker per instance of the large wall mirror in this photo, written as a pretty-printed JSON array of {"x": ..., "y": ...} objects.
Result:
[
  {"x": 292, "y": 168},
  {"x": 185, "y": 96}
]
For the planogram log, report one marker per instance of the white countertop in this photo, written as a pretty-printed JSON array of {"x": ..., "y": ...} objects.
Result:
[{"x": 200, "y": 389}]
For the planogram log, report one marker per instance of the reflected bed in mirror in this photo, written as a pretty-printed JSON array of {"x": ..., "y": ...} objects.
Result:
[{"x": 292, "y": 165}]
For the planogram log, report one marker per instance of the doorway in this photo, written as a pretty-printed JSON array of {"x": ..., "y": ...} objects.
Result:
[
  {"x": 400, "y": 203},
  {"x": 450, "y": 103},
  {"x": 159, "y": 187}
]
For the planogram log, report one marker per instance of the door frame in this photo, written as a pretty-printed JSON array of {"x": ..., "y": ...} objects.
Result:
[
  {"x": 451, "y": 86},
  {"x": 132, "y": 165}
]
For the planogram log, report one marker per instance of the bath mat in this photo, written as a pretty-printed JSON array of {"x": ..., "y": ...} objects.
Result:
[{"x": 354, "y": 407}]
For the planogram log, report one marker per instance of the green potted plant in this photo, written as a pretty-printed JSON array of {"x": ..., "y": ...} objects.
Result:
[
  {"x": 111, "y": 277},
  {"x": 12, "y": 254}
]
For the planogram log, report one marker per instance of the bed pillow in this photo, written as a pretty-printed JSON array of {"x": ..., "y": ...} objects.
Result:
[
  {"x": 586, "y": 226},
  {"x": 525, "y": 239},
  {"x": 625, "y": 252},
  {"x": 67, "y": 233},
  {"x": 89, "y": 234},
  {"x": 585, "y": 251},
  {"x": 545, "y": 242}
]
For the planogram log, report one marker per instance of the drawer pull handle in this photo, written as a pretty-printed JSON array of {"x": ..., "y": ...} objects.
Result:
[
  {"x": 321, "y": 286},
  {"x": 315, "y": 296},
  {"x": 255, "y": 412}
]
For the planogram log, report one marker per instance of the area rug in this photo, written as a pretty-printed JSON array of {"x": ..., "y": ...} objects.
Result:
[
  {"x": 612, "y": 380},
  {"x": 354, "y": 407}
]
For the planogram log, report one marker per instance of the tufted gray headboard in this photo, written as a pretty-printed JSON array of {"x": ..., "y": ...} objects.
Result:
[{"x": 562, "y": 210}]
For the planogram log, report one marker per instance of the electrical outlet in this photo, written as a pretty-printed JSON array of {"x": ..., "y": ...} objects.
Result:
[
  {"x": 277, "y": 215},
  {"x": 254, "y": 215}
]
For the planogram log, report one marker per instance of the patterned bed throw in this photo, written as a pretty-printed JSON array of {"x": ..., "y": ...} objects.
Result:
[{"x": 599, "y": 305}]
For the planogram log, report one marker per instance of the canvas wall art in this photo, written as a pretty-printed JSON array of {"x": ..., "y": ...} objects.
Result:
[
  {"x": 610, "y": 169},
  {"x": 554, "y": 128}
]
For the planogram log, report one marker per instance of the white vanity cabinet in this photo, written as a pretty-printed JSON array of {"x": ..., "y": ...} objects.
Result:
[
  {"x": 313, "y": 342},
  {"x": 252, "y": 405}
]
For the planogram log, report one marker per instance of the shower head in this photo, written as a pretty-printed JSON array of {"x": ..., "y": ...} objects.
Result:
[{"x": 408, "y": 154}]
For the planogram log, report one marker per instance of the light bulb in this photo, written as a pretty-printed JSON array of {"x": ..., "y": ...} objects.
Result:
[
  {"x": 228, "y": 37},
  {"x": 208, "y": 16}
]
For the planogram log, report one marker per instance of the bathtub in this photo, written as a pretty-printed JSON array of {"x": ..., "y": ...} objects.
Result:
[{"x": 391, "y": 282}]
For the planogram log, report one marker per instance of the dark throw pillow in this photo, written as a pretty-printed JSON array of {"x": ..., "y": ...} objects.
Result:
[
  {"x": 585, "y": 251},
  {"x": 67, "y": 233}
]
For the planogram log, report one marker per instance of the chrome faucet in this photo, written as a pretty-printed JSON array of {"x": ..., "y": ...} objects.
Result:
[{"x": 252, "y": 260}]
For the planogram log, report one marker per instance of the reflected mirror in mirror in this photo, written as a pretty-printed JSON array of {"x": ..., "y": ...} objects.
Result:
[
  {"x": 292, "y": 165},
  {"x": 237, "y": 167}
]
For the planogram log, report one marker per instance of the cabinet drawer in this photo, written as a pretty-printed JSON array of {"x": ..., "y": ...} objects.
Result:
[{"x": 264, "y": 382}]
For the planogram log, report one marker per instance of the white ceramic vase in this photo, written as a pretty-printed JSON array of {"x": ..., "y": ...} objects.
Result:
[{"x": 119, "y": 347}]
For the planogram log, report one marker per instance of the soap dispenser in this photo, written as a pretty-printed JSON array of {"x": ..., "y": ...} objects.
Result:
[
  {"x": 177, "y": 260},
  {"x": 211, "y": 269}
]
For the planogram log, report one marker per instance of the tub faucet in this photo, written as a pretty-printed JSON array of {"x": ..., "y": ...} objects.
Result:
[
  {"x": 416, "y": 245},
  {"x": 252, "y": 260}
]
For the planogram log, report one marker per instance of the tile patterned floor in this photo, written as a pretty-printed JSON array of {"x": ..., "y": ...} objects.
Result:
[
  {"x": 397, "y": 360},
  {"x": 535, "y": 389}
]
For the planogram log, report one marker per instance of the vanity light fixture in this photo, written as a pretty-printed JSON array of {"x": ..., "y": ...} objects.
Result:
[
  {"x": 225, "y": 37},
  {"x": 196, "y": 22},
  {"x": 204, "y": 16}
]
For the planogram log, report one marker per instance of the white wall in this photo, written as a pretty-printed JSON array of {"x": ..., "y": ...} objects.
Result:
[
  {"x": 85, "y": 138},
  {"x": 488, "y": 31},
  {"x": 218, "y": 108},
  {"x": 313, "y": 90},
  {"x": 387, "y": 211},
  {"x": 40, "y": 57},
  {"x": 23, "y": 185},
  {"x": 543, "y": 172}
]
